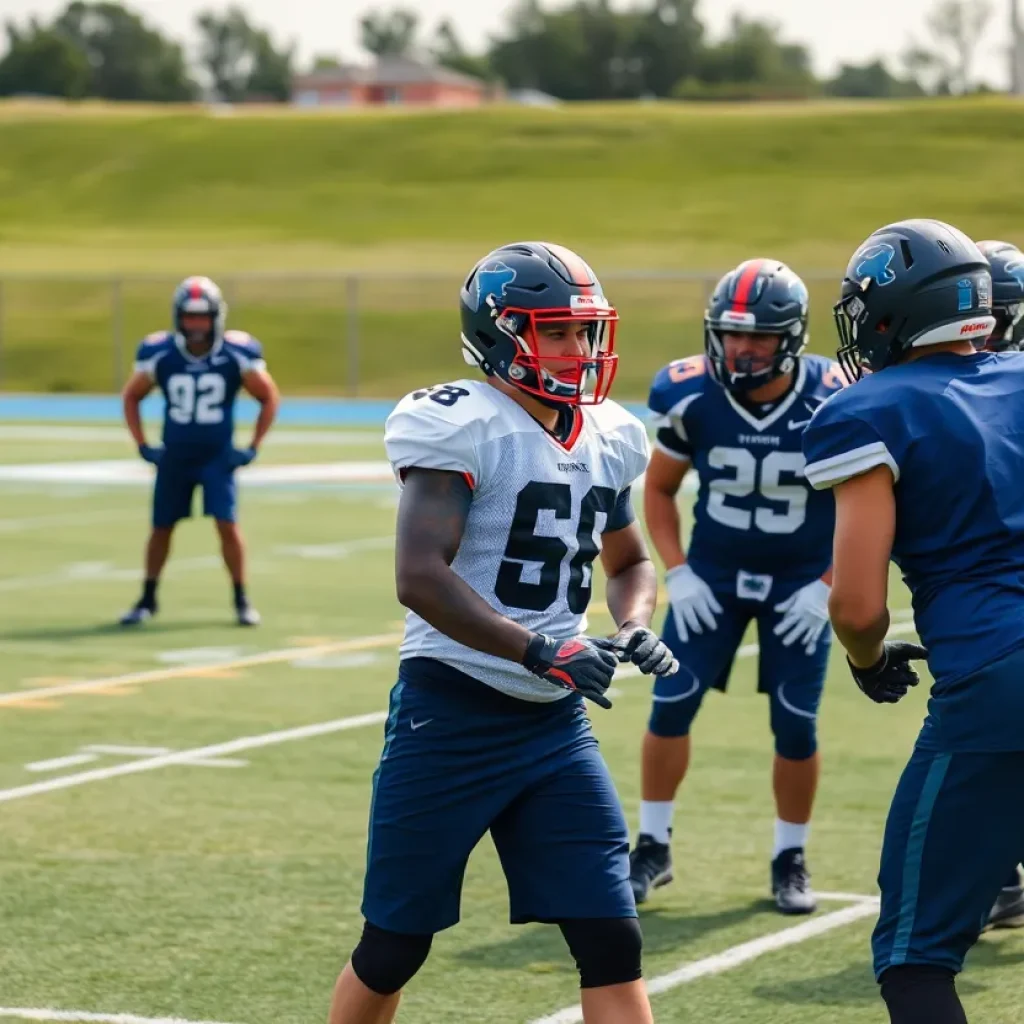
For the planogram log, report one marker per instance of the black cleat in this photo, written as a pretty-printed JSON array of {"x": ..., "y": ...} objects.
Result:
[
  {"x": 791, "y": 883},
  {"x": 247, "y": 615},
  {"x": 140, "y": 613},
  {"x": 650, "y": 866},
  {"x": 1008, "y": 910}
]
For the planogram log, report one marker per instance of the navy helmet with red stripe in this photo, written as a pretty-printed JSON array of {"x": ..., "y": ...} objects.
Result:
[
  {"x": 516, "y": 289},
  {"x": 758, "y": 297},
  {"x": 1007, "y": 263},
  {"x": 199, "y": 296}
]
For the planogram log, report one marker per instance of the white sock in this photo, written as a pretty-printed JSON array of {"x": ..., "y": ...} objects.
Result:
[
  {"x": 789, "y": 836},
  {"x": 656, "y": 818}
]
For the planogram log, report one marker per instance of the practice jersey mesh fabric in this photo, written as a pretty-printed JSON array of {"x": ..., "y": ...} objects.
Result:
[{"x": 539, "y": 509}]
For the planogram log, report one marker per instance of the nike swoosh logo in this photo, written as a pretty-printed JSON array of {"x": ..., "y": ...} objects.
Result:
[
  {"x": 796, "y": 426},
  {"x": 414, "y": 725}
]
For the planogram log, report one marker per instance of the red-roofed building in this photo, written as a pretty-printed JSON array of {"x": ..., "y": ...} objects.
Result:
[{"x": 392, "y": 80}]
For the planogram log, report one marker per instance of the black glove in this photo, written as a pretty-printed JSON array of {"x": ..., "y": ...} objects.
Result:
[
  {"x": 577, "y": 664},
  {"x": 641, "y": 646},
  {"x": 888, "y": 680}
]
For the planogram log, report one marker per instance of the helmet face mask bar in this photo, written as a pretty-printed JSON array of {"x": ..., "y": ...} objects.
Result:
[
  {"x": 850, "y": 314},
  {"x": 564, "y": 379}
]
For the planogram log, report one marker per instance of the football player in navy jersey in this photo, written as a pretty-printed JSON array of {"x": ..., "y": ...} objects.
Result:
[
  {"x": 924, "y": 455},
  {"x": 760, "y": 550},
  {"x": 1006, "y": 262},
  {"x": 200, "y": 369}
]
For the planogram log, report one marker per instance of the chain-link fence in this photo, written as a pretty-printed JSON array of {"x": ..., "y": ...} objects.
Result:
[{"x": 348, "y": 334}]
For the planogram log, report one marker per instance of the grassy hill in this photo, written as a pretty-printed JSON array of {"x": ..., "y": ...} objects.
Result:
[{"x": 407, "y": 197}]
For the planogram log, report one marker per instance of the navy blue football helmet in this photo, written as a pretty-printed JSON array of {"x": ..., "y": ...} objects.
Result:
[
  {"x": 516, "y": 289},
  {"x": 758, "y": 297},
  {"x": 199, "y": 296},
  {"x": 1007, "y": 263},
  {"x": 911, "y": 284}
]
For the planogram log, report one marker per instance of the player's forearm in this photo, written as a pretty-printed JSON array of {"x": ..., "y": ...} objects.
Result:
[
  {"x": 862, "y": 634},
  {"x": 449, "y": 604},
  {"x": 266, "y": 417},
  {"x": 632, "y": 593},
  {"x": 663, "y": 524},
  {"x": 133, "y": 420}
]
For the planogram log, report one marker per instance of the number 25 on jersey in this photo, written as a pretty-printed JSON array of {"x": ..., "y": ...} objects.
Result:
[{"x": 764, "y": 477}]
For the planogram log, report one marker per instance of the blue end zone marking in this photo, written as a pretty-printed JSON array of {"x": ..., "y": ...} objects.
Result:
[{"x": 295, "y": 412}]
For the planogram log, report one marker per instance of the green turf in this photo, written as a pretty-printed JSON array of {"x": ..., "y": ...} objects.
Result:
[
  {"x": 414, "y": 199},
  {"x": 232, "y": 894}
]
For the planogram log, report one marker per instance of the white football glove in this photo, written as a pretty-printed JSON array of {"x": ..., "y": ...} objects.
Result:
[
  {"x": 804, "y": 616},
  {"x": 693, "y": 603}
]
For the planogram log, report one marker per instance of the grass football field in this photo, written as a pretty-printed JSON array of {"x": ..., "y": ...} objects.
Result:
[{"x": 183, "y": 808}]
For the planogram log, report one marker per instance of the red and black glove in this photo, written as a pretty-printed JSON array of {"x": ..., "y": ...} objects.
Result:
[{"x": 576, "y": 664}]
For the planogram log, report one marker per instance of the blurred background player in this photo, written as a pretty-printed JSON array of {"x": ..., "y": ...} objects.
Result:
[
  {"x": 760, "y": 550},
  {"x": 1007, "y": 265},
  {"x": 511, "y": 487},
  {"x": 200, "y": 368},
  {"x": 944, "y": 422}
]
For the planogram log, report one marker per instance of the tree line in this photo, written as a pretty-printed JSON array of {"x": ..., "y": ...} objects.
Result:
[
  {"x": 108, "y": 51},
  {"x": 581, "y": 50}
]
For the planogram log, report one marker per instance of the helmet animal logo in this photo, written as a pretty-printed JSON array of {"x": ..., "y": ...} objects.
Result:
[
  {"x": 1015, "y": 268},
  {"x": 493, "y": 279},
  {"x": 876, "y": 264}
]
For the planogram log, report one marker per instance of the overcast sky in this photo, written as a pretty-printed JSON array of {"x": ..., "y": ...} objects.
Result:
[{"x": 835, "y": 30}]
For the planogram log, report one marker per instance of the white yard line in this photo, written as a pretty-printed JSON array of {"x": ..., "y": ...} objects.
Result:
[
  {"x": 70, "y": 519},
  {"x": 188, "y": 757},
  {"x": 54, "y": 764},
  {"x": 32, "y": 432},
  {"x": 80, "y": 1017},
  {"x": 105, "y": 572},
  {"x": 115, "y": 750},
  {"x": 737, "y": 955},
  {"x": 192, "y": 671}
]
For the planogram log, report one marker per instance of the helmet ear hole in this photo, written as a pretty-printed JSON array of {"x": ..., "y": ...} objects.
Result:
[
  {"x": 486, "y": 342},
  {"x": 884, "y": 324}
]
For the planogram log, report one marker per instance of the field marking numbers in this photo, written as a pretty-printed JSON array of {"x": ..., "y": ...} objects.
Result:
[
  {"x": 97, "y": 750},
  {"x": 286, "y": 654},
  {"x": 186, "y": 757}
]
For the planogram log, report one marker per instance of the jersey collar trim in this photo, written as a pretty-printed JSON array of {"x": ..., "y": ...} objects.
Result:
[
  {"x": 780, "y": 410},
  {"x": 574, "y": 435}
]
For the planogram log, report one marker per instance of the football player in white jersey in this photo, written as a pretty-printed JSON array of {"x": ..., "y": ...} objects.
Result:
[{"x": 512, "y": 486}]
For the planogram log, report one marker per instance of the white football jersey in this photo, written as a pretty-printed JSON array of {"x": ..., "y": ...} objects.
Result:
[{"x": 538, "y": 511}]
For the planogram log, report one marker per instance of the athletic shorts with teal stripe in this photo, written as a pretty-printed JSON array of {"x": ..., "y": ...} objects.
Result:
[
  {"x": 953, "y": 836},
  {"x": 460, "y": 760}
]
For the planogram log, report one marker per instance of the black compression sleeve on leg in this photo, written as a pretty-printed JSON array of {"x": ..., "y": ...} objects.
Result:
[
  {"x": 922, "y": 994},
  {"x": 385, "y": 962},
  {"x": 607, "y": 951}
]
